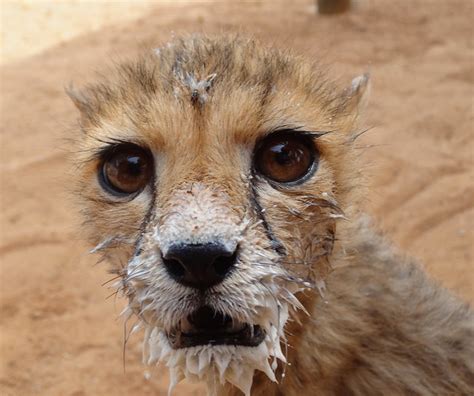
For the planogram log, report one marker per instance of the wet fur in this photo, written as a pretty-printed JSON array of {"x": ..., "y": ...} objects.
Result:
[
  {"x": 383, "y": 328},
  {"x": 201, "y": 105}
]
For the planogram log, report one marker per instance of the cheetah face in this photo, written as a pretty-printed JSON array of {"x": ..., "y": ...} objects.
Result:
[{"x": 210, "y": 177}]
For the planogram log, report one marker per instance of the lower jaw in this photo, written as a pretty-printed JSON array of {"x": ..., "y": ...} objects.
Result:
[
  {"x": 215, "y": 365},
  {"x": 218, "y": 360}
]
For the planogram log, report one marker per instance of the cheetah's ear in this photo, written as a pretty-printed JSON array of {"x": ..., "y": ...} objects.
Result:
[
  {"x": 80, "y": 100},
  {"x": 356, "y": 96}
]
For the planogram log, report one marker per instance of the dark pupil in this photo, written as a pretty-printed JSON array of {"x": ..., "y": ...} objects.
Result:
[
  {"x": 133, "y": 166},
  {"x": 286, "y": 155}
]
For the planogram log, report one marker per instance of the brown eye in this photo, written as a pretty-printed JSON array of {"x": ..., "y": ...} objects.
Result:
[
  {"x": 126, "y": 169},
  {"x": 286, "y": 157}
]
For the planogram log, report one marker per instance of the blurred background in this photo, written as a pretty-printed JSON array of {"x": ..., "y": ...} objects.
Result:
[{"x": 59, "y": 330}]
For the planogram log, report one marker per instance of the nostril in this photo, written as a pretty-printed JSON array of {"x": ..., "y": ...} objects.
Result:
[
  {"x": 223, "y": 264},
  {"x": 174, "y": 267}
]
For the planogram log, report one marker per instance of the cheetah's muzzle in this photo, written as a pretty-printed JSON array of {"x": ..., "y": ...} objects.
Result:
[{"x": 208, "y": 327}]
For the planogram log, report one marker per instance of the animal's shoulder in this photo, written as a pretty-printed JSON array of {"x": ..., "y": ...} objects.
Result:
[{"x": 384, "y": 324}]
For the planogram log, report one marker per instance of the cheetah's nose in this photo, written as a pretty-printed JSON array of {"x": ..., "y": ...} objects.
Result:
[{"x": 199, "y": 265}]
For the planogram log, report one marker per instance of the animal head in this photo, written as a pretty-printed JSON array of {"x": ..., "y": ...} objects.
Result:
[{"x": 211, "y": 174}]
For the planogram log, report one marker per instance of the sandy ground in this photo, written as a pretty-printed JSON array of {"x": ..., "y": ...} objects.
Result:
[
  {"x": 30, "y": 26},
  {"x": 59, "y": 333}
]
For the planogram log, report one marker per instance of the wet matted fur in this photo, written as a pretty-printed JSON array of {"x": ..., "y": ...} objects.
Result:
[{"x": 343, "y": 313}]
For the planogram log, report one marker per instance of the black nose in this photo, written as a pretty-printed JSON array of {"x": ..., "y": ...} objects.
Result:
[{"x": 199, "y": 266}]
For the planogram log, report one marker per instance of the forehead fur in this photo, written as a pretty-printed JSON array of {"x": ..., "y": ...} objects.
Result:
[{"x": 243, "y": 79}]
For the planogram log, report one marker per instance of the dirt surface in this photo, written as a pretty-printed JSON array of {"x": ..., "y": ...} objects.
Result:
[
  {"x": 30, "y": 26},
  {"x": 59, "y": 334}
]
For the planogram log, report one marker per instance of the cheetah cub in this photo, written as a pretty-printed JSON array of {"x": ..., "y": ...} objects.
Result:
[{"x": 219, "y": 179}]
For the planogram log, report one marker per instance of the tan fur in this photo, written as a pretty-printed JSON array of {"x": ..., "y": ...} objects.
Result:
[{"x": 200, "y": 104}]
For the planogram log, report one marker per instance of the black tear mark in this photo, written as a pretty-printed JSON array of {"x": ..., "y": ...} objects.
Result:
[
  {"x": 146, "y": 220},
  {"x": 276, "y": 245}
]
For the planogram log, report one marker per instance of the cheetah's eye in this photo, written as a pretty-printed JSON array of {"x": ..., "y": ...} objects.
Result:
[
  {"x": 286, "y": 157},
  {"x": 126, "y": 169}
]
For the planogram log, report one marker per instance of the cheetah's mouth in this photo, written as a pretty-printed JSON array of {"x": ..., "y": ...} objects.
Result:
[{"x": 208, "y": 327}]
